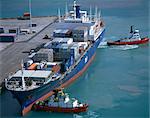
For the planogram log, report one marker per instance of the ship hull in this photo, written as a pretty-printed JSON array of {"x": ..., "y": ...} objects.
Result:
[
  {"x": 28, "y": 98},
  {"x": 61, "y": 109},
  {"x": 144, "y": 40}
]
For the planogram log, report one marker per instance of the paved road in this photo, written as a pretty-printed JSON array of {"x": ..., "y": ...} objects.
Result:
[{"x": 10, "y": 58}]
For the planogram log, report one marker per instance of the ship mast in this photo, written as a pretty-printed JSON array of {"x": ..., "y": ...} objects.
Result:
[
  {"x": 99, "y": 15},
  {"x": 90, "y": 13},
  {"x": 74, "y": 7},
  {"x": 59, "y": 17},
  {"x": 95, "y": 13},
  {"x": 66, "y": 10},
  {"x": 23, "y": 81}
]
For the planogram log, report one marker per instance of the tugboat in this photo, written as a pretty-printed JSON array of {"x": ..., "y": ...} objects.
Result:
[
  {"x": 133, "y": 40},
  {"x": 60, "y": 102}
]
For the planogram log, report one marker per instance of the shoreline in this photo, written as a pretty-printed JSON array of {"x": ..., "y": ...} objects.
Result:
[{"x": 28, "y": 42}]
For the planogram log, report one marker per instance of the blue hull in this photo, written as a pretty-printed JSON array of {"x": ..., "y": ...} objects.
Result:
[{"x": 26, "y": 98}]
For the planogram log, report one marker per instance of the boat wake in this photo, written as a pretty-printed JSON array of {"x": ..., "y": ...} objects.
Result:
[
  {"x": 103, "y": 45},
  {"x": 89, "y": 114},
  {"x": 124, "y": 47}
]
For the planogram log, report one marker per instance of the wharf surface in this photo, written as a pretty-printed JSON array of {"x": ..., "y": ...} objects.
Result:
[{"x": 11, "y": 54}]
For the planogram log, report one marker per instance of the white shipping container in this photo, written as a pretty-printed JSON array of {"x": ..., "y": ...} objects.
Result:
[{"x": 63, "y": 40}]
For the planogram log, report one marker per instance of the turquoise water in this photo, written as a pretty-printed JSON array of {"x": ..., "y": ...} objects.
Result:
[{"x": 116, "y": 85}]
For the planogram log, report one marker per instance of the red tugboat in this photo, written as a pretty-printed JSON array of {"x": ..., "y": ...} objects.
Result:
[
  {"x": 133, "y": 40},
  {"x": 60, "y": 102}
]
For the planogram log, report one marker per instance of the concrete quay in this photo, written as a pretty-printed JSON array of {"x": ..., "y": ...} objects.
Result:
[{"x": 11, "y": 54}]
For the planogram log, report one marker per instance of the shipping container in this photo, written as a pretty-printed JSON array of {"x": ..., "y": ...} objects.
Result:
[
  {"x": 27, "y": 31},
  {"x": 13, "y": 30},
  {"x": 1, "y": 30},
  {"x": 32, "y": 66},
  {"x": 62, "y": 33},
  {"x": 59, "y": 56},
  {"x": 80, "y": 34},
  {"x": 7, "y": 37},
  {"x": 57, "y": 41},
  {"x": 44, "y": 55}
]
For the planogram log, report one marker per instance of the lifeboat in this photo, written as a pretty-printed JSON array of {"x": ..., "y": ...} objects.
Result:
[
  {"x": 133, "y": 40},
  {"x": 60, "y": 102}
]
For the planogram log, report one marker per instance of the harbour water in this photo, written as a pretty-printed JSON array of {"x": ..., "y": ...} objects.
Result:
[{"x": 116, "y": 85}]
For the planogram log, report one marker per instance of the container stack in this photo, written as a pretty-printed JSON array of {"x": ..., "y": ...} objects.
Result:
[
  {"x": 57, "y": 41},
  {"x": 44, "y": 55},
  {"x": 62, "y": 33},
  {"x": 61, "y": 55},
  {"x": 75, "y": 51},
  {"x": 80, "y": 34}
]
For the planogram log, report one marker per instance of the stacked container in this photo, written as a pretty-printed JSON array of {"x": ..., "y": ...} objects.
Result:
[
  {"x": 75, "y": 51},
  {"x": 80, "y": 34},
  {"x": 57, "y": 41},
  {"x": 44, "y": 55},
  {"x": 62, "y": 33},
  {"x": 62, "y": 52}
]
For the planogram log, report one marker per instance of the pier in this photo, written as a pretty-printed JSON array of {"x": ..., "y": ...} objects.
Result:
[{"x": 12, "y": 53}]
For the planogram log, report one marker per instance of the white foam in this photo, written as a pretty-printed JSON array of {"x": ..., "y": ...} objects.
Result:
[{"x": 124, "y": 47}]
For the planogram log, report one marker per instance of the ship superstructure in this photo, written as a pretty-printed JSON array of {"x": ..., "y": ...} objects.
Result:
[{"x": 59, "y": 62}]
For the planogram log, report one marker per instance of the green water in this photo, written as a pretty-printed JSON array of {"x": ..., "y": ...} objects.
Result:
[{"x": 114, "y": 86}]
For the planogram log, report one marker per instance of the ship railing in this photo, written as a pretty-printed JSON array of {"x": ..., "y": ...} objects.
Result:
[
  {"x": 97, "y": 33},
  {"x": 14, "y": 85}
]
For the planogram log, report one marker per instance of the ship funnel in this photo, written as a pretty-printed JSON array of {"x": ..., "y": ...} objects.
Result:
[
  {"x": 76, "y": 10},
  {"x": 131, "y": 29}
]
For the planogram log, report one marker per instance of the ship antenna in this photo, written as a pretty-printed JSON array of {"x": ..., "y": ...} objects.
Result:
[
  {"x": 131, "y": 30},
  {"x": 66, "y": 10},
  {"x": 90, "y": 13},
  {"x": 23, "y": 81},
  {"x": 59, "y": 17},
  {"x": 99, "y": 15},
  {"x": 95, "y": 13},
  {"x": 30, "y": 13}
]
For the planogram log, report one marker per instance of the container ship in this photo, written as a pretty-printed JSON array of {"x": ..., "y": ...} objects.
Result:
[{"x": 60, "y": 61}]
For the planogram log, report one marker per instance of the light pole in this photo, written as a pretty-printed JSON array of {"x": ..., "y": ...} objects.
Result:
[{"x": 30, "y": 13}]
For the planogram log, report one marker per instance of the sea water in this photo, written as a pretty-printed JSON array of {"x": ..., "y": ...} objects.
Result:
[{"x": 116, "y": 85}]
